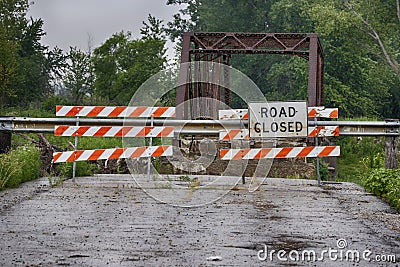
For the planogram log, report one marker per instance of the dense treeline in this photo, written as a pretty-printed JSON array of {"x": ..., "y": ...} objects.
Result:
[
  {"x": 361, "y": 41},
  {"x": 34, "y": 76}
]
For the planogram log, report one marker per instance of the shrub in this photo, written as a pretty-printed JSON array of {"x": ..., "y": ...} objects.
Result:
[{"x": 384, "y": 183}]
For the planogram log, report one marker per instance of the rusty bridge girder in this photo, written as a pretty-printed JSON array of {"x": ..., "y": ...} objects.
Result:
[{"x": 220, "y": 46}]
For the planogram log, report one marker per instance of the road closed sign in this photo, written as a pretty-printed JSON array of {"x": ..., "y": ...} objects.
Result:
[{"x": 278, "y": 119}]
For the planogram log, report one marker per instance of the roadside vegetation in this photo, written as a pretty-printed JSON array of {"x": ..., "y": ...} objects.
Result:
[
  {"x": 18, "y": 166},
  {"x": 362, "y": 161}
]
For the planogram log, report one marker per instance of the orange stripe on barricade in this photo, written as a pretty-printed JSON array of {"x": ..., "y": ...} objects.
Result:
[
  {"x": 60, "y": 130},
  {"x": 326, "y": 151},
  {"x": 123, "y": 131},
  {"x": 263, "y": 152},
  {"x": 312, "y": 113},
  {"x": 334, "y": 114},
  {"x": 117, "y": 153},
  {"x": 138, "y": 152},
  {"x": 95, "y": 111},
  {"x": 73, "y": 111},
  {"x": 305, "y": 152},
  {"x": 81, "y": 130},
  {"x": 56, "y": 156},
  {"x": 223, "y": 152},
  {"x": 167, "y": 131},
  {"x": 96, "y": 154},
  {"x": 159, "y": 151},
  {"x": 284, "y": 152},
  {"x": 138, "y": 111},
  {"x": 159, "y": 111},
  {"x": 102, "y": 131},
  {"x": 336, "y": 132},
  {"x": 116, "y": 111},
  {"x": 241, "y": 154},
  {"x": 76, "y": 155}
]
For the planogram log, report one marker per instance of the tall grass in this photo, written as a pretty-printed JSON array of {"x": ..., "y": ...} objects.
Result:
[
  {"x": 355, "y": 154},
  {"x": 18, "y": 166}
]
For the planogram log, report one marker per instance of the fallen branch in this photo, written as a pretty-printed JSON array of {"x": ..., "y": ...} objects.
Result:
[{"x": 42, "y": 138}]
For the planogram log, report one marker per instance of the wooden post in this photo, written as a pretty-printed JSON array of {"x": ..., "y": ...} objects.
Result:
[
  {"x": 392, "y": 148},
  {"x": 5, "y": 142}
]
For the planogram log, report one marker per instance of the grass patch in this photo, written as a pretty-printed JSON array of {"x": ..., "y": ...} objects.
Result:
[
  {"x": 18, "y": 166},
  {"x": 358, "y": 156}
]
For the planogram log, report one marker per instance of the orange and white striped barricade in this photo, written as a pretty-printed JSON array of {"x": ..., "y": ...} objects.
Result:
[
  {"x": 113, "y": 131},
  {"x": 112, "y": 153},
  {"x": 317, "y": 131},
  {"x": 280, "y": 153},
  {"x": 313, "y": 112},
  {"x": 116, "y": 111},
  {"x": 292, "y": 152},
  {"x": 322, "y": 112}
]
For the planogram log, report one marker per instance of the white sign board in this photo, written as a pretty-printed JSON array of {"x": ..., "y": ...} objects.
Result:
[{"x": 278, "y": 119}]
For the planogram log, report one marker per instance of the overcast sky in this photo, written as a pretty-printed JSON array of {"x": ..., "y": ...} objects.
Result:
[{"x": 71, "y": 22}]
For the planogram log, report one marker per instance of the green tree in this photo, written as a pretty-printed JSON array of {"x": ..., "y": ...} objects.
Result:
[
  {"x": 78, "y": 78},
  {"x": 29, "y": 65},
  {"x": 8, "y": 66},
  {"x": 365, "y": 35},
  {"x": 371, "y": 24},
  {"x": 122, "y": 64},
  {"x": 153, "y": 28}
]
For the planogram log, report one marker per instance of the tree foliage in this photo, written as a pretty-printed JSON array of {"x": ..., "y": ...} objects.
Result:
[
  {"x": 25, "y": 63},
  {"x": 122, "y": 64},
  {"x": 78, "y": 78},
  {"x": 8, "y": 66},
  {"x": 33, "y": 75}
]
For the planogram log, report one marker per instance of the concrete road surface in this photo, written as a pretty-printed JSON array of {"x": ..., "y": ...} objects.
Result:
[{"x": 108, "y": 221}]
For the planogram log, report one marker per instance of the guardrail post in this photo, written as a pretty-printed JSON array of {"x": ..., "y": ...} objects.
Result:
[
  {"x": 75, "y": 148},
  {"x": 150, "y": 144},
  {"x": 317, "y": 160},
  {"x": 392, "y": 147},
  {"x": 5, "y": 142}
]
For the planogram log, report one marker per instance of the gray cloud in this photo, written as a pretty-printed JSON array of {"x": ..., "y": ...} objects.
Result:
[{"x": 70, "y": 22}]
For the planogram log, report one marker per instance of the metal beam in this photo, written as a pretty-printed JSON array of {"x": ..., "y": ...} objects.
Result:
[
  {"x": 208, "y": 46},
  {"x": 201, "y": 127}
]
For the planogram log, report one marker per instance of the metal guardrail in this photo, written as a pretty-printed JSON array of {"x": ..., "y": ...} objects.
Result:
[{"x": 201, "y": 127}]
